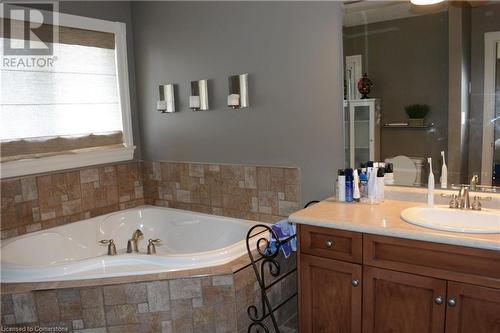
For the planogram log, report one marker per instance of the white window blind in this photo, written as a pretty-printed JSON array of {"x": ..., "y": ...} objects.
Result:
[{"x": 70, "y": 105}]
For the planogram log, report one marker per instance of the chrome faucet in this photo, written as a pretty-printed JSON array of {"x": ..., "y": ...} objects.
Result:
[
  {"x": 463, "y": 197},
  {"x": 135, "y": 240},
  {"x": 474, "y": 182}
]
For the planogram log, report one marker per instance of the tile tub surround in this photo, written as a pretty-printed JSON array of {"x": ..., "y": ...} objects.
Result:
[
  {"x": 259, "y": 193},
  {"x": 200, "y": 304},
  {"x": 43, "y": 201}
]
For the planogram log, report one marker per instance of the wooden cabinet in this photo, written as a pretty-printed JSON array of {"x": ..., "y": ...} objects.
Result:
[
  {"x": 401, "y": 302},
  {"x": 407, "y": 286},
  {"x": 330, "y": 299},
  {"x": 472, "y": 309}
]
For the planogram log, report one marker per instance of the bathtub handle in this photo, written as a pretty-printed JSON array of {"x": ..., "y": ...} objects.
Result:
[
  {"x": 111, "y": 246},
  {"x": 152, "y": 245}
]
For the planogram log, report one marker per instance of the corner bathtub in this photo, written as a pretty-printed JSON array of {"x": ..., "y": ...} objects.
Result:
[{"x": 72, "y": 252}]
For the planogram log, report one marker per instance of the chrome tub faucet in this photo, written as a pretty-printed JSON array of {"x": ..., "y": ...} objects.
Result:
[{"x": 133, "y": 243}]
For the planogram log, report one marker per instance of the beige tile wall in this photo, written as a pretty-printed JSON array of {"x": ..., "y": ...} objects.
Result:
[
  {"x": 211, "y": 304},
  {"x": 44, "y": 201},
  {"x": 257, "y": 193},
  {"x": 38, "y": 202}
]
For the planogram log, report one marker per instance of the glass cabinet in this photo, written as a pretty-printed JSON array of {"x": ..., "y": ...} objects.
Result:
[{"x": 362, "y": 128}]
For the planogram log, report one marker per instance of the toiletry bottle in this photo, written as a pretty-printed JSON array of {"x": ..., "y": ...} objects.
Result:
[
  {"x": 349, "y": 179},
  {"x": 380, "y": 193},
  {"x": 341, "y": 185},
  {"x": 372, "y": 185},
  {"x": 363, "y": 186},
  {"x": 356, "y": 195},
  {"x": 389, "y": 174},
  {"x": 444, "y": 173},
  {"x": 430, "y": 185}
]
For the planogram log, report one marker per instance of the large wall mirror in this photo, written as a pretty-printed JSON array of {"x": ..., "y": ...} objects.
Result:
[{"x": 421, "y": 80}]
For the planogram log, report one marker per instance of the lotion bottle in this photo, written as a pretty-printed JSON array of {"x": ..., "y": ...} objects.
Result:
[
  {"x": 356, "y": 195},
  {"x": 444, "y": 173},
  {"x": 430, "y": 185},
  {"x": 341, "y": 185}
]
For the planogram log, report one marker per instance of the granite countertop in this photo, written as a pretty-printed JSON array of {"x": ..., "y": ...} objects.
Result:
[{"x": 384, "y": 219}]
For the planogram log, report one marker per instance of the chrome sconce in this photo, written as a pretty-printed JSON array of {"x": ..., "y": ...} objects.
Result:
[
  {"x": 238, "y": 91},
  {"x": 198, "y": 98},
  {"x": 166, "y": 103}
]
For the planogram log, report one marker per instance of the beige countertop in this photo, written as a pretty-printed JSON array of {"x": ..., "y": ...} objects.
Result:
[{"x": 384, "y": 219}]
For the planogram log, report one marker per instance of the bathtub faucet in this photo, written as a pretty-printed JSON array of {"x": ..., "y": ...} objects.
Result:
[{"x": 135, "y": 240}]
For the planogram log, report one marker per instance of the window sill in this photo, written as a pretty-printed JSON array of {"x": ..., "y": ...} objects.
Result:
[{"x": 61, "y": 162}]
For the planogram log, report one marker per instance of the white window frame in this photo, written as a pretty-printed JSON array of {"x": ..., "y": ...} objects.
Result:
[{"x": 81, "y": 159}]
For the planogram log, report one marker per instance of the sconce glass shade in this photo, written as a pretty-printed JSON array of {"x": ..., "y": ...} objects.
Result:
[
  {"x": 198, "y": 100},
  {"x": 166, "y": 103},
  {"x": 425, "y": 2},
  {"x": 238, "y": 91},
  {"x": 194, "y": 102}
]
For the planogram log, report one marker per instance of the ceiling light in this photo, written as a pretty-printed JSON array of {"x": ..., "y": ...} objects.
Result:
[{"x": 425, "y": 2}]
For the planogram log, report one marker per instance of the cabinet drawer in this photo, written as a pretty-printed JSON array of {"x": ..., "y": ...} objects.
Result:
[
  {"x": 331, "y": 243},
  {"x": 449, "y": 262}
]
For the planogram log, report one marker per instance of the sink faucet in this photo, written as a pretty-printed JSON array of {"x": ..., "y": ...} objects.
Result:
[
  {"x": 135, "y": 240},
  {"x": 474, "y": 182},
  {"x": 463, "y": 197}
]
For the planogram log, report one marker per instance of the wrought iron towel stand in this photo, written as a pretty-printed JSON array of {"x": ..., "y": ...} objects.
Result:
[{"x": 267, "y": 256}]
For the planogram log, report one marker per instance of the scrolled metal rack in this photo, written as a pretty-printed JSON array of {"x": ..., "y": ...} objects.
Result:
[{"x": 268, "y": 257}]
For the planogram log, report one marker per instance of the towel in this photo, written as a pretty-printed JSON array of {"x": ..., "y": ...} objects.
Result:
[{"x": 283, "y": 229}]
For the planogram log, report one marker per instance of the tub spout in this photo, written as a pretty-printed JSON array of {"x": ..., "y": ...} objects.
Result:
[{"x": 135, "y": 239}]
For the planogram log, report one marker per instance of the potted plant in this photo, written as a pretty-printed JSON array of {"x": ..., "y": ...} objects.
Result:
[{"x": 417, "y": 113}]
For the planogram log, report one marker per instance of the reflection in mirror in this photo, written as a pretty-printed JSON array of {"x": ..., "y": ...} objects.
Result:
[
  {"x": 493, "y": 143},
  {"x": 427, "y": 71}
]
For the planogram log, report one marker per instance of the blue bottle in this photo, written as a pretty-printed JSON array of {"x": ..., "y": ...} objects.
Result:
[{"x": 349, "y": 178}]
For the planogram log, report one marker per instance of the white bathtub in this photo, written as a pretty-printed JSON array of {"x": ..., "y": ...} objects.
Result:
[{"x": 72, "y": 252}]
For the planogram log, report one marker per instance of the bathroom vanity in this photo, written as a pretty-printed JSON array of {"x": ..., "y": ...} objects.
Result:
[{"x": 362, "y": 268}]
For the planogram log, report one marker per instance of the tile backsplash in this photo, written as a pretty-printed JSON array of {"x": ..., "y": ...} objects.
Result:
[{"x": 42, "y": 201}]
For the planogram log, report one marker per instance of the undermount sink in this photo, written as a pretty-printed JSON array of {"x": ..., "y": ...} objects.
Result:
[{"x": 486, "y": 221}]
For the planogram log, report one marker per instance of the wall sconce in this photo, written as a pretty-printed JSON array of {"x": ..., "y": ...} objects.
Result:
[
  {"x": 166, "y": 103},
  {"x": 198, "y": 99},
  {"x": 238, "y": 91}
]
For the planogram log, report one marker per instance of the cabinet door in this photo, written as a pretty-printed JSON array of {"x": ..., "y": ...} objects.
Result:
[
  {"x": 401, "y": 302},
  {"x": 329, "y": 295},
  {"x": 472, "y": 309}
]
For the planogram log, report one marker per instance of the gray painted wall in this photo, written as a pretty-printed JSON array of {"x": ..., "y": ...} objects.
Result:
[
  {"x": 483, "y": 19},
  {"x": 119, "y": 11},
  {"x": 293, "y": 53},
  {"x": 407, "y": 60}
]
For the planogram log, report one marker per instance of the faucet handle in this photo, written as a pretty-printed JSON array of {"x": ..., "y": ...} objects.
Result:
[
  {"x": 454, "y": 203},
  {"x": 476, "y": 205},
  {"x": 111, "y": 246},
  {"x": 152, "y": 245}
]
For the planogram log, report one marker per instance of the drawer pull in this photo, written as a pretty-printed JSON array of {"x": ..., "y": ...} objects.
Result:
[
  {"x": 329, "y": 244},
  {"x": 355, "y": 282},
  {"x": 438, "y": 300},
  {"x": 452, "y": 302}
]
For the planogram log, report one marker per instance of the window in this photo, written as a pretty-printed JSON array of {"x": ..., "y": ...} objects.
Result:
[{"x": 69, "y": 108}]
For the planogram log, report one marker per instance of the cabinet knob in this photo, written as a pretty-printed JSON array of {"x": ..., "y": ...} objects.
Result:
[
  {"x": 355, "y": 282},
  {"x": 438, "y": 300},
  {"x": 329, "y": 244},
  {"x": 452, "y": 301}
]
